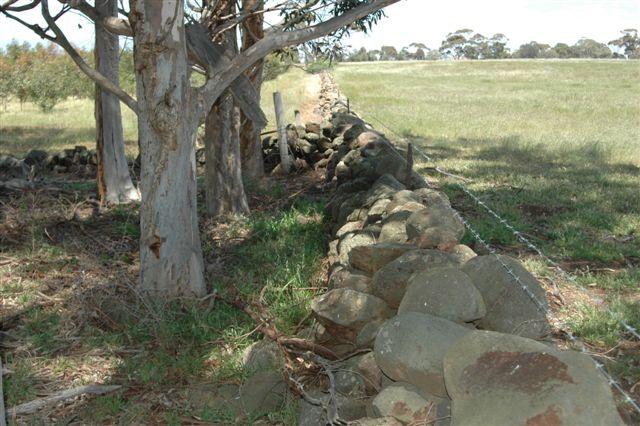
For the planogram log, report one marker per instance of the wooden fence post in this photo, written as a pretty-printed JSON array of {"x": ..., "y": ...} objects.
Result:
[{"x": 285, "y": 160}]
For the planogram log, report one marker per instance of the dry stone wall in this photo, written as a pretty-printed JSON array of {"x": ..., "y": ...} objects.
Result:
[{"x": 453, "y": 339}]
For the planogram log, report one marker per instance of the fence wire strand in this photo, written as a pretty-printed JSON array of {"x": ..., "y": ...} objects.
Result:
[{"x": 540, "y": 305}]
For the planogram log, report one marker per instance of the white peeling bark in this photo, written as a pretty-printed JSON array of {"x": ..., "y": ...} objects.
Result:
[
  {"x": 170, "y": 251},
  {"x": 114, "y": 181}
]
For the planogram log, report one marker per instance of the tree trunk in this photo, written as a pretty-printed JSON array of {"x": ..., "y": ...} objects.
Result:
[
  {"x": 224, "y": 193},
  {"x": 223, "y": 174},
  {"x": 114, "y": 181},
  {"x": 170, "y": 251},
  {"x": 250, "y": 143}
]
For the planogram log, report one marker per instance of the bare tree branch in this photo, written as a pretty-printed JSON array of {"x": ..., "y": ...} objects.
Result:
[
  {"x": 94, "y": 75},
  {"x": 118, "y": 26},
  {"x": 224, "y": 74},
  {"x": 8, "y": 3},
  {"x": 33, "y": 27}
]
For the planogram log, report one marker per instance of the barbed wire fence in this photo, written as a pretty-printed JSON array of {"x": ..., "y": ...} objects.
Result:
[{"x": 543, "y": 307}]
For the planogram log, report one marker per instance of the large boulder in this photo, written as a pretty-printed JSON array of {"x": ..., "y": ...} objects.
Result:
[
  {"x": 510, "y": 309},
  {"x": 12, "y": 168},
  {"x": 262, "y": 355},
  {"x": 344, "y": 312},
  {"x": 462, "y": 253},
  {"x": 500, "y": 379},
  {"x": 394, "y": 228},
  {"x": 430, "y": 197},
  {"x": 349, "y": 227},
  {"x": 409, "y": 405},
  {"x": 370, "y": 258},
  {"x": 366, "y": 367},
  {"x": 401, "y": 198},
  {"x": 342, "y": 277},
  {"x": 437, "y": 226},
  {"x": 390, "y": 282},
  {"x": 262, "y": 393},
  {"x": 36, "y": 157},
  {"x": 445, "y": 292},
  {"x": 384, "y": 187},
  {"x": 351, "y": 240},
  {"x": 377, "y": 210},
  {"x": 411, "y": 346},
  {"x": 411, "y": 207}
]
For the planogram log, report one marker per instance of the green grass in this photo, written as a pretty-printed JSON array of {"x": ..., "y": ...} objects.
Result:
[
  {"x": 297, "y": 88},
  {"x": 100, "y": 332},
  {"x": 71, "y": 123},
  {"x": 552, "y": 146}
]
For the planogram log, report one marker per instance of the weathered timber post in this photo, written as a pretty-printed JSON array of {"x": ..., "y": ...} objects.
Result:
[
  {"x": 409, "y": 163},
  {"x": 285, "y": 160}
]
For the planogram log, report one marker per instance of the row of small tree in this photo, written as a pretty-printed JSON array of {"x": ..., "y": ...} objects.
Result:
[
  {"x": 40, "y": 74},
  {"x": 45, "y": 75},
  {"x": 468, "y": 44}
]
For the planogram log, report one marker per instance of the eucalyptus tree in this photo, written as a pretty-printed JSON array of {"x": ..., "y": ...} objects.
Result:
[
  {"x": 170, "y": 110},
  {"x": 113, "y": 178},
  {"x": 629, "y": 42}
]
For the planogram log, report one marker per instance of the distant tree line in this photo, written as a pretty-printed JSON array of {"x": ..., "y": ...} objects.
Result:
[
  {"x": 468, "y": 44},
  {"x": 45, "y": 75}
]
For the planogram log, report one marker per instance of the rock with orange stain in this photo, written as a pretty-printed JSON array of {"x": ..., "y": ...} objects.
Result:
[
  {"x": 500, "y": 379},
  {"x": 410, "y": 405}
]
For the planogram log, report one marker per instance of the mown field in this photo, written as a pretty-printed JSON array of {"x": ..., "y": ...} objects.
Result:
[{"x": 552, "y": 146}]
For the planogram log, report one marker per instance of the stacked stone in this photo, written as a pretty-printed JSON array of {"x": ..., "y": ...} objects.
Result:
[
  {"x": 78, "y": 160},
  {"x": 454, "y": 339},
  {"x": 310, "y": 144}
]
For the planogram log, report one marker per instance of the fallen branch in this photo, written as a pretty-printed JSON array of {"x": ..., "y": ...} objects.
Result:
[
  {"x": 35, "y": 405},
  {"x": 269, "y": 329}
]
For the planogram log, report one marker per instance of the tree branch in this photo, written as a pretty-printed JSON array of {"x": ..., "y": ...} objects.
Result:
[
  {"x": 222, "y": 76},
  {"x": 94, "y": 75},
  {"x": 8, "y": 6},
  {"x": 118, "y": 26}
]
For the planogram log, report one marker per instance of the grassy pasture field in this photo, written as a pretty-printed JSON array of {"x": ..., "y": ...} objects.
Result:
[
  {"x": 71, "y": 122},
  {"x": 552, "y": 146}
]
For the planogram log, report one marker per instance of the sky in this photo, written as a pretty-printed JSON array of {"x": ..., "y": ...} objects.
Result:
[{"x": 429, "y": 21}]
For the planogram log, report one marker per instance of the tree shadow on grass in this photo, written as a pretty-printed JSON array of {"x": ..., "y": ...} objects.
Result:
[
  {"x": 18, "y": 140},
  {"x": 82, "y": 317},
  {"x": 574, "y": 200}
]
